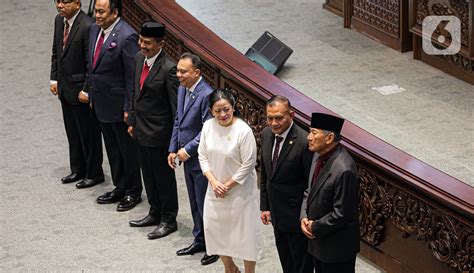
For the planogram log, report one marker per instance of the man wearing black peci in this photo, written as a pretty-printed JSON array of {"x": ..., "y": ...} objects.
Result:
[{"x": 151, "y": 119}]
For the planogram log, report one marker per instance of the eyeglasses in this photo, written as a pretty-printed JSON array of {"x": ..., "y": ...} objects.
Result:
[{"x": 57, "y": 2}]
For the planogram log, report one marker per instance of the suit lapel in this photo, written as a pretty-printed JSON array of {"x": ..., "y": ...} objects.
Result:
[
  {"x": 138, "y": 73},
  {"x": 323, "y": 175},
  {"x": 154, "y": 70},
  {"x": 180, "y": 106},
  {"x": 112, "y": 38},
  {"x": 72, "y": 32},
  {"x": 286, "y": 147},
  {"x": 193, "y": 97},
  {"x": 267, "y": 156}
]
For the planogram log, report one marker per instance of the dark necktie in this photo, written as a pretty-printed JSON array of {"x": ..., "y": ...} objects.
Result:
[
  {"x": 66, "y": 33},
  {"x": 145, "y": 71},
  {"x": 317, "y": 170},
  {"x": 98, "y": 48},
  {"x": 276, "y": 151}
]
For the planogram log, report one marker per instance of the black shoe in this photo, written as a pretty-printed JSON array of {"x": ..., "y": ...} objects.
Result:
[
  {"x": 87, "y": 183},
  {"x": 145, "y": 222},
  {"x": 164, "y": 229},
  {"x": 190, "y": 250},
  {"x": 110, "y": 197},
  {"x": 209, "y": 259},
  {"x": 128, "y": 203},
  {"x": 73, "y": 177}
]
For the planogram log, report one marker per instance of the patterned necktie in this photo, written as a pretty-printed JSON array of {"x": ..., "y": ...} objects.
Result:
[
  {"x": 276, "y": 152},
  {"x": 186, "y": 98},
  {"x": 98, "y": 48},
  {"x": 66, "y": 33},
  {"x": 145, "y": 71}
]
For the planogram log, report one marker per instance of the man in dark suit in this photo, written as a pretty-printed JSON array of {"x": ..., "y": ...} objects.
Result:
[
  {"x": 192, "y": 112},
  {"x": 150, "y": 120},
  {"x": 329, "y": 214},
  {"x": 68, "y": 74},
  {"x": 112, "y": 48},
  {"x": 283, "y": 180}
]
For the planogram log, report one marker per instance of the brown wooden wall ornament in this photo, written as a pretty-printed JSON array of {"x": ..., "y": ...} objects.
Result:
[
  {"x": 402, "y": 200},
  {"x": 460, "y": 65}
]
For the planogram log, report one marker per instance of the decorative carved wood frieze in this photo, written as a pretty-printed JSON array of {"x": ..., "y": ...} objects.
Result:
[
  {"x": 451, "y": 241},
  {"x": 172, "y": 46},
  {"x": 251, "y": 109},
  {"x": 134, "y": 15},
  {"x": 381, "y": 14},
  {"x": 458, "y": 8}
]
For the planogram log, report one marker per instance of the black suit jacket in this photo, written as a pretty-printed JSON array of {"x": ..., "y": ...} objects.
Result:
[
  {"x": 69, "y": 66},
  {"x": 153, "y": 108},
  {"x": 332, "y": 203},
  {"x": 282, "y": 189}
]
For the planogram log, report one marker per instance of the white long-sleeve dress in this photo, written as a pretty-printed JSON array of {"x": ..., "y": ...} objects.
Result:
[{"x": 231, "y": 224}]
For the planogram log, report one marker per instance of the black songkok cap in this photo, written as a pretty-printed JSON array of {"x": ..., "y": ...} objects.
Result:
[
  {"x": 326, "y": 122},
  {"x": 152, "y": 30}
]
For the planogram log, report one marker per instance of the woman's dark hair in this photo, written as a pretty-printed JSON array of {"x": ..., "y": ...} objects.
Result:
[{"x": 224, "y": 94}]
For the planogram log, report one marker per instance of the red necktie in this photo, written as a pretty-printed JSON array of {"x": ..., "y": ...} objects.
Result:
[
  {"x": 276, "y": 152},
  {"x": 145, "y": 71},
  {"x": 66, "y": 33},
  {"x": 98, "y": 48}
]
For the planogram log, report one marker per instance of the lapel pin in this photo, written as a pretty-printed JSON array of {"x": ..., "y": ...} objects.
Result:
[{"x": 291, "y": 142}]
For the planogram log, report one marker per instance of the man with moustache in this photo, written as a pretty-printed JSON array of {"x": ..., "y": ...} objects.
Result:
[
  {"x": 112, "y": 49},
  {"x": 192, "y": 112},
  {"x": 151, "y": 117},
  {"x": 68, "y": 74},
  {"x": 285, "y": 164},
  {"x": 329, "y": 214}
]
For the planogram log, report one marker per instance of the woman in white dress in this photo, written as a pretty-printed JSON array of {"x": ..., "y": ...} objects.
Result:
[{"x": 227, "y": 155}]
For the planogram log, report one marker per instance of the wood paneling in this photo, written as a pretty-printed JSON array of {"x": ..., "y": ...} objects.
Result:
[{"x": 460, "y": 65}]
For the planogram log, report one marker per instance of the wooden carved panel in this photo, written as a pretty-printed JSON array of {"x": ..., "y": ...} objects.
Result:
[
  {"x": 458, "y": 8},
  {"x": 451, "y": 241},
  {"x": 172, "y": 46},
  {"x": 381, "y": 14},
  {"x": 134, "y": 15},
  {"x": 252, "y": 110}
]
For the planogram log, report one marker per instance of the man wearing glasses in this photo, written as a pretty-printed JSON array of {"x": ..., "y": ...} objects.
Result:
[{"x": 68, "y": 74}]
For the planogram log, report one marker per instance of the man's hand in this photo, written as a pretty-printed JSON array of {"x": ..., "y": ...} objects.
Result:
[
  {"x": 54, "y": 88},
  {"x": 125, "y": 117},
  {"x": 305, "y": 224},
  {"x": 172, "y": 160},
  {"x": 82, "y": 97},
  {"x": 265, "y": 217},
  {"x": 130, "y": 130},
  {"x": 182, "y": 155}
]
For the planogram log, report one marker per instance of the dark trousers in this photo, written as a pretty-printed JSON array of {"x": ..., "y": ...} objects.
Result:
[
  {"x": 160, "y": 183},
  {"x": 293, "y": 252},
  {"x": 85, "y": 143},
  {"x": 196, "y": 184},
  {"x": 122, "y": 152},
  {"x": 345, "y": 267}
]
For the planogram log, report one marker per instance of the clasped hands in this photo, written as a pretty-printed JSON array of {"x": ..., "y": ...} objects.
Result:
[
  {"x": 220, "y": 189},
  {"x": 306, "y": 228}
]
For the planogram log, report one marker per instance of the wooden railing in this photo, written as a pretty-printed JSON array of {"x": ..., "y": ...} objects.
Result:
[{"x": 413, "y": 217}]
